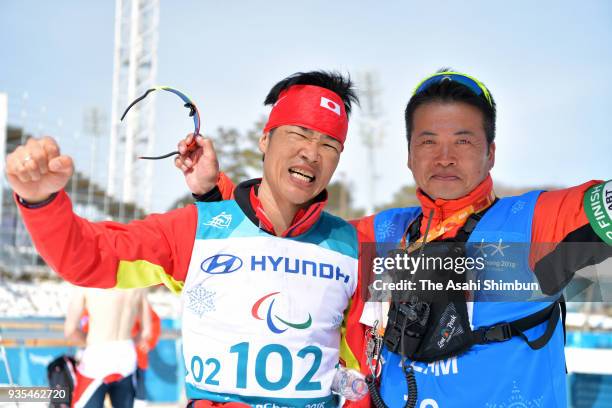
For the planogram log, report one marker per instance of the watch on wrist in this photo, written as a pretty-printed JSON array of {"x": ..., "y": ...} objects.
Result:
[{"x": 27, "y": 204}]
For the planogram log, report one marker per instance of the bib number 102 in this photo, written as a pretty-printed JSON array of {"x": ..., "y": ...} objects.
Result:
[{"x": 261, "y": 359}]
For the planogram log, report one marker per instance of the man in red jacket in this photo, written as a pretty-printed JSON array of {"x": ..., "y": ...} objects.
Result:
[{"x": 266, "y": 278}]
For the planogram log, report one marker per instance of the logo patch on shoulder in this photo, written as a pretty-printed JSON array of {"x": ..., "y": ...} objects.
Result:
[
  {"x": 222, "y": 220},
  {"x": 518, "y": 206}
]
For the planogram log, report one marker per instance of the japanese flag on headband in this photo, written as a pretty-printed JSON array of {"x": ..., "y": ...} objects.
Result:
[{"x": 312, "y": 107}]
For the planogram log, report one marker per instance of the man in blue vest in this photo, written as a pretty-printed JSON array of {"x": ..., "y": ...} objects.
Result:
[
  {"x": 510, "y": 351},
  {"x": 485, "y": 348}
]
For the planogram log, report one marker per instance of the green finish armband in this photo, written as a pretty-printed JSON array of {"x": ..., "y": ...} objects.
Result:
[{"x": 598, "y": 209}]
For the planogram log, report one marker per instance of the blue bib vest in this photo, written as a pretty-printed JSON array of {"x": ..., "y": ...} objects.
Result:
[
  {"x": 262, "y": 315},
  {"x": 493, "y": 375}
]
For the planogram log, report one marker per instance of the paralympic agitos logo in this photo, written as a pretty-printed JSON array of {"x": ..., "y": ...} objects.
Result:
[{"x": 271, "y": 316}]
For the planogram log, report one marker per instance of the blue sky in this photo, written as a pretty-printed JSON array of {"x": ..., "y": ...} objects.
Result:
[{"x": 547, "y": 64}]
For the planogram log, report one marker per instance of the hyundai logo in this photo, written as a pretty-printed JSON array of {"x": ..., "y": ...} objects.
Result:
[{"x": 220, "y": 264}]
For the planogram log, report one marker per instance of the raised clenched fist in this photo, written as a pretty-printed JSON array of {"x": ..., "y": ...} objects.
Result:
[{"x": 36, "y": 169}]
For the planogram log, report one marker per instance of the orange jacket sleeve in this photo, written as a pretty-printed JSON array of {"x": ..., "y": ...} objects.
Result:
[
  {"x": 109, "y": 254},
  {"x": 563, "y": 240}
]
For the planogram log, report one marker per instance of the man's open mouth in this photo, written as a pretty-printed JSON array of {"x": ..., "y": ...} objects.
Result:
[{"x": 302, "y": 175}]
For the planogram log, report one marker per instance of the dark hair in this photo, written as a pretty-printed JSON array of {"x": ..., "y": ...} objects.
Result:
[
  {"x": 448, "y": 92},
  {"x": 334, "y": 81}
]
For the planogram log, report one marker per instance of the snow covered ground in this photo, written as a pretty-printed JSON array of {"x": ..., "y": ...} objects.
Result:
[{"x": 50, "y": 299}]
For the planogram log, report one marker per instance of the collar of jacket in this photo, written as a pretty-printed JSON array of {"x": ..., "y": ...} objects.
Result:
[
  {"x": 245, "y": 195},
  {"x": 443, "y": 209}
]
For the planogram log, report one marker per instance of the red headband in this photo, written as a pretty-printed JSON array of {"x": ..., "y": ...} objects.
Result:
[{"x": 312, "y": 107}]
